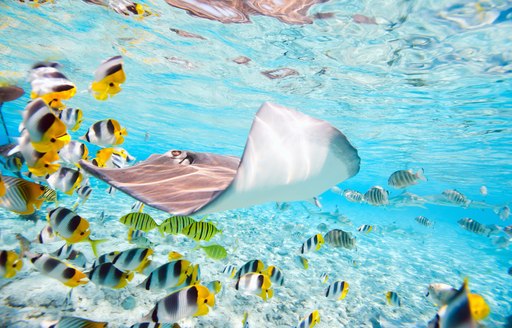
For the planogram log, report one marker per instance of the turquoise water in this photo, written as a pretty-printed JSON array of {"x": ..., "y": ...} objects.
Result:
[{"x": 429, "y": 87}]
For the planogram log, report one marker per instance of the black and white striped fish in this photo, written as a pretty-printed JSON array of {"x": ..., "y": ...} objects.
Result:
[
  {"x": 275, "y": 275},
  {"x": 46, "y": 131},
  {"x": 393, "y": 299},
  {"x": 59, "y": 270},
  {"x": 365, "y": 228},
  {"x": 65, "y": 180},
  {"x": 187, "y": 302},
  {"x": 71, "y": 117},
  {"x": 169, "y": 275},
  {"x": 473, "y": 226},
  {"x": 340, "y": 238},
  {"x": 256, "y": 284},
  {"x": 405, "y": 178},
  {"x": 313, "y": 243},
  {"x": 455, "y": 197},
  {"x": 310, "y": 320},
  {"x": 250, "y": 266},
  {"x": 46, "y": 235},
  {"x": 424, "y": 221},
  {"x": 105, "y": 133},
  {"x": 377, "y": 196},
  {"x": 337, "y": 290},
  {"x": 135, "y": 259},
  {"x": 108, "y": 275},
  {"x": 353, "y": 196},
  {"x": 84, "y": 192},
  {"x": 73, "y": 152}
]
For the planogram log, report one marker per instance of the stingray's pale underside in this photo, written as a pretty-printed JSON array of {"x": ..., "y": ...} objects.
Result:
[{"x": 288, "y": 156}]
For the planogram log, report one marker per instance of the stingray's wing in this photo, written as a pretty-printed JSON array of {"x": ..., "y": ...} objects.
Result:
[
  {"x": 177, "y": 182},
  {"x": 289, "y": 156},
  {"x": 10, "y": 93}
]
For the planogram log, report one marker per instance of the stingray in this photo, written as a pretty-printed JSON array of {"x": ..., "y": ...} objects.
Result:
[{"x": 288, "y": 156}]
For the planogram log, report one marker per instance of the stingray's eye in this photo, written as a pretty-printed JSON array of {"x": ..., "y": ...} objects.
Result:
[{"x": 176, "y": 153}]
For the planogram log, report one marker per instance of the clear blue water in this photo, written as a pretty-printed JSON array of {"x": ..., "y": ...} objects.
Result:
[{"x": 432, "y": 92}]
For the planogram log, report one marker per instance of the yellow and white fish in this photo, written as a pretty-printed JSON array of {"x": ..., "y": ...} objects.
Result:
[
  {"x": 71, "y": 117},
  {"x": 393, "y": 299},
  {"x": 46, "y": 235},
  {"x": 463, "y": 310},
  {"x": 21, "y": 196},
  {"x": 190, "y": 301},
  {"x": 105, "y": 133},
  {"x": 71, "y": 227},
  {"x": 138, "y": 206},
  {"x": 174, "y": 256},
  {"x": 53, "y": 88},
  {"x": 255, "y": 266},
  {"x": 112, "y": 157},
  {"x": 440, "y": 293},
  {"x": 39, "y": 164},
  {"x": 275, "y": 275},
  {"x": 65, "y": 179},
  {"x": 302, "y": 262},
  {"x": 214, "y": 286},
  {"x": 366, "y": 228},
  {"x": 257, "y": 284},
  {"x": 310, "y": 320},
  {"x": 134, "y": 259},
  {"x": 108, "y": 275},
  {"x": 55, "y": 268},
  {"x": 324, "y": 277},
  {"x": 313, "y": 243},
  {"x": 229, "y": 270},
  {"x": 337, "y": 290},
  {"x": 46, "y": 131},
  {"x": 10, "y": 264},
  {"x": 73, "y": 152},
  {"x": 108, "y": 78},
  {"x": 127, "y": 8},
  {"x": 105, "y": 258},
  {"x": 169, "y": 275}
]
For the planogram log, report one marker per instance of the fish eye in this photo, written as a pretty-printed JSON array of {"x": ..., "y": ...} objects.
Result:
[
  {"x": 176, "y": 153},
  {"x": 82, "y": 233},
  {"x": 111, "y": 84},
  {"x": 46, "y": 165},
  {"x": 53, "y": 140}
]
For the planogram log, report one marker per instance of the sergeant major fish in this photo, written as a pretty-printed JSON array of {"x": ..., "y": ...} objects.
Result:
[
  {"x": 377, "y": 196},
  {"x": 405, "y": 178},
  {"x": 340, "y": 238}
]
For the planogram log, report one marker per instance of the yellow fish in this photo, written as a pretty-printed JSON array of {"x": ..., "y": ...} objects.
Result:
[
  {"x": 201, "y": 231},
  {"x": 21, "y": 196},
  {"x": 2, "y": 186},
  {"x": 105, "y": 133},
  {"x": 190, "y": 301},
  {"x": 139, "y": 221},
  {"x": 55, "y": 268},
  {"x": 174, "y": 256},
  {"x": 108, "y": 78},
  {"x": 10, "y": 264},
  {"x": 108, "y": 275},
  {"x": 310, "y": 320},
  {"x": 71, "y": 227},
  {"x": 46, "y": 131},
  {"x": 215, "y": 252}
]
